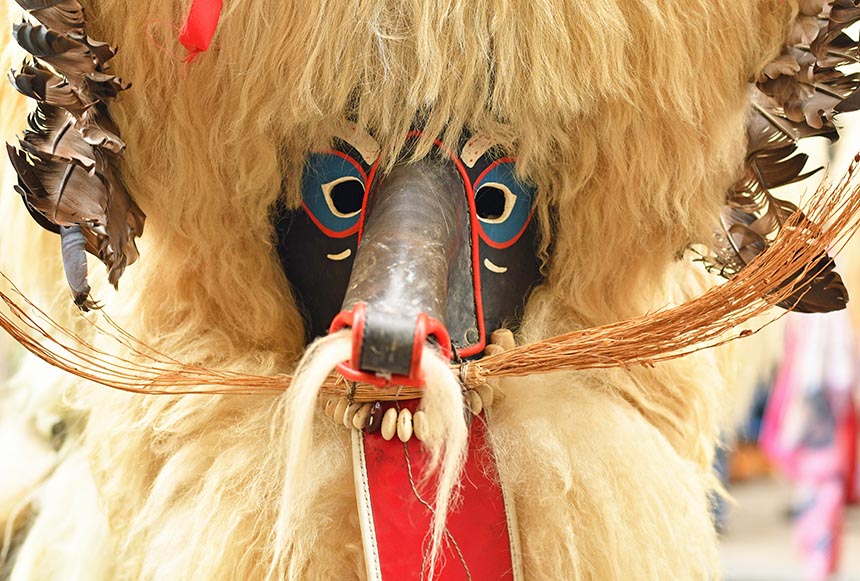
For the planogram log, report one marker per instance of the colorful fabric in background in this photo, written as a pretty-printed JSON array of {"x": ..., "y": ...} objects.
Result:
[{"x": 810, "y": 431}]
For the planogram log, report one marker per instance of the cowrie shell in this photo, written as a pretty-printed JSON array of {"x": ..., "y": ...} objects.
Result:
[
  {"x": 359, "y": 420},
  {"x": 340, "y": 409},
  {"x": 389, "y": 423},
  {"x": 419, "y": 425},
  {"x": 493, "y": 349},
  {"x": 404, "y": 425},
  {"x": 349, "y": 413},
  {"x": 504, "y": 338},
  {"x": 486, "y": 393},
  {"x": 476, "y": 404}
]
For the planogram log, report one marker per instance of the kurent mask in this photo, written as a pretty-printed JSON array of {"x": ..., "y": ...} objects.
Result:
[
  {"x": 387, "y": 255},
  {"x": 440, "y": 249}
]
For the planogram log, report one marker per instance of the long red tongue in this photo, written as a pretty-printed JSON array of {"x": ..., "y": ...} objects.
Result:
[
  {"x": 482, "y": 541},
  {"x": 199, "y": 27}
]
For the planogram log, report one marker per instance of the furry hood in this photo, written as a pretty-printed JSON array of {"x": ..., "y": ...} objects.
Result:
[{"x": 628, "y": 116}]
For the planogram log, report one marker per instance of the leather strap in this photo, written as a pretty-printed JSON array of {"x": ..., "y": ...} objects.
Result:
[{"x": 394, "y": 508}]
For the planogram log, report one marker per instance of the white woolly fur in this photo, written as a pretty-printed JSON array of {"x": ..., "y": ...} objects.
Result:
[{"x": 627, "y": 114}]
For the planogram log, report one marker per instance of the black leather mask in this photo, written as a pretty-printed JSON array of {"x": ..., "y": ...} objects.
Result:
[{"x": 438, "y": 249}]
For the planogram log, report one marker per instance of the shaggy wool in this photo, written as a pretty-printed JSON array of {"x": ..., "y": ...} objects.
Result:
[{"x": 627, "y": 114}]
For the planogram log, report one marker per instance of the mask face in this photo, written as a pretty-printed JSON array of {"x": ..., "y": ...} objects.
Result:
[
  {"x": 471, "y": 208},
  {"x": 317, "y": 243}
]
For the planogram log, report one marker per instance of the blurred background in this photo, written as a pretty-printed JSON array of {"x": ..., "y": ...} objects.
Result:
[
  {"x": 759, "y": 543},
  {"x": 790, "y": 457}
]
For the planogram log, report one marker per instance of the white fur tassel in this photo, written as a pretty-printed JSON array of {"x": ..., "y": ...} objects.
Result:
[
  {"x": 447, "y": 441},
  {"x": 299, "y": 410}
]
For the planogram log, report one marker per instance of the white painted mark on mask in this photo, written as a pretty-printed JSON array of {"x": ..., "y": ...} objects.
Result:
[
  {"x": 342, "y": 255},
  {"x": 494, "y": 267}
]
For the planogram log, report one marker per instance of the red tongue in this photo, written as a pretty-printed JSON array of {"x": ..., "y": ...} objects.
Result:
[
  {"x": 481, "y": 535},
  {"x": 199, "y": 27}
]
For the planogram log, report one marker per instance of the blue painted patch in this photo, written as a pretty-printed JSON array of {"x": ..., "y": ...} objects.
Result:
[
  {"x": 321, "y": 169},
  {"x": 506, "y": 232}
]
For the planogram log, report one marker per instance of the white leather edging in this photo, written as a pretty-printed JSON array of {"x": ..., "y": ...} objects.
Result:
[
  {"x": 511, "y": 514},
  {"x": 365, "y": 510}
]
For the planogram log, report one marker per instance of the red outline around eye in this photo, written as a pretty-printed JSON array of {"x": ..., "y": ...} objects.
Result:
[
  {"x": 367, "y": 189},
  {"x": 487, "y": 240},
  {"x": 366, "y": 185}
]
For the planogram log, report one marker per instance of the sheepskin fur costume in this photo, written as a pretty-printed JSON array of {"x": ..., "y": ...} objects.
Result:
[{"x": 629, "y": 117}]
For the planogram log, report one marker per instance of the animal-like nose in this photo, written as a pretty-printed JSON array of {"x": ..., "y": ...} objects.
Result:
[{"x": 413, "y": 244}]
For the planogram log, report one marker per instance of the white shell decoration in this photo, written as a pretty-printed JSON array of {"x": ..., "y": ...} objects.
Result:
[
  {"x": 404, "y": 425},
  {"x": 389, "y": 423}
]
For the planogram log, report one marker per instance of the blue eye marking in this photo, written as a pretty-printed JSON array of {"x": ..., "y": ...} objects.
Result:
[
  {"x": 333, "y": 189},
  {"x": 503, "y": 204}
]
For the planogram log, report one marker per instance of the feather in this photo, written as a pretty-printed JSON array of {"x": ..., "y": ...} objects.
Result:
[
  {"x": 73, "y": 246},
  {"x": 68, "y": 158},
  {"x": 61, "y": 51},
  {"x": 820, "y": 290},
  {"x": 796, "y": 96},
  {"x": 39, "y": 83},
  {"x": 51, "y": 130},
  {"x": 65, "y": 16},
  {"x": 843, "y": 13},
  {"x": 47, "y": 181}
]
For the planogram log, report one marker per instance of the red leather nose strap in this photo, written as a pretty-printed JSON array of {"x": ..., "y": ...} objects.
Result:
[
  {"x": 426, "y": 327},
  {"x": 356, "y": 320},
  {"x": 353, "y": 320}
]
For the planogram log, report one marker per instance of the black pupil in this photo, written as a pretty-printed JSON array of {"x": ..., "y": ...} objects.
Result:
[
  {"x": 347, "y": 196},
  {"x": 490, "y": 203}
]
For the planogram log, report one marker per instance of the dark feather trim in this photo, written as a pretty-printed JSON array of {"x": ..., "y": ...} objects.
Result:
[
  {"x": 65, "y": 16},
  {"x": 68, "y": 159},
  {"x": 796, "y": 97}
]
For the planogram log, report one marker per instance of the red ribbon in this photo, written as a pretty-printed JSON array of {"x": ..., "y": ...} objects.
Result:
[{"x": 199, "y": 27}]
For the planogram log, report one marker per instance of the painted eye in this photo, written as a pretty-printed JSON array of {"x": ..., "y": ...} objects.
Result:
[
  {"x": 344, "y": 196},
  {"x": 503, "y": 204},
  {"x": 494, "y": 203},
  {"x": 333, "y": 190}
]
